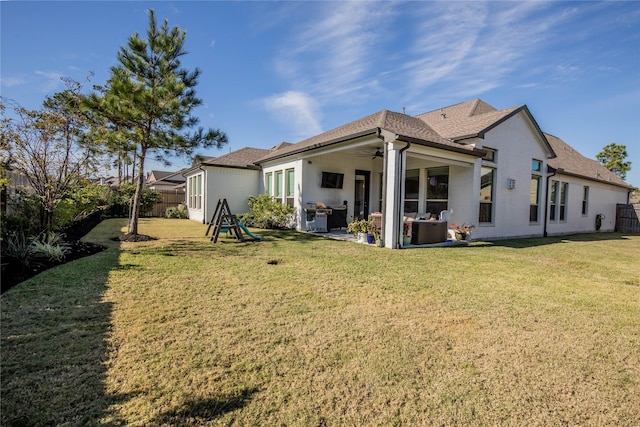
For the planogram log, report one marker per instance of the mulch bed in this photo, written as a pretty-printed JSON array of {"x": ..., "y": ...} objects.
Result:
[
  {"x": 133, "y": 238},
  {"x": 14, "y": 272}
]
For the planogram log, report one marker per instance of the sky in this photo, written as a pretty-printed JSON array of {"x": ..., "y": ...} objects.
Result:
[{"x": 288, "y": 70}]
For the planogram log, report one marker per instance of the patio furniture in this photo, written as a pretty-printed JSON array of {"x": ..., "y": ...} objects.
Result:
[{"x": 426, "y": 232}]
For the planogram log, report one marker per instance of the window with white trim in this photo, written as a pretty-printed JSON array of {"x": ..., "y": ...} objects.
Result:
[
  {"x": 411, "y": 190},
  {"x": 487, "y": 191},
  {"x": 553, "y": 201},
  {"x": 277, "y": 192},
  {"x": 585, "y": 200},
  {"x": 437, "y": 190},
  {"x": 564, "y": 190},
  {"x": 534, "y": 194},
  {"x": 195, "y": 192},
  {"x": 268, "y": 183},
  {"x": 290, "y": 186}
]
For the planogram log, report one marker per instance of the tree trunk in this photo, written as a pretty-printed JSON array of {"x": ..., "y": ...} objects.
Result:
[{"x": 137, "y": 199}]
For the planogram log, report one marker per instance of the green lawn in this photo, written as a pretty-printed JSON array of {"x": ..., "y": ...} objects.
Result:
[{"x": 298, "y": 330}]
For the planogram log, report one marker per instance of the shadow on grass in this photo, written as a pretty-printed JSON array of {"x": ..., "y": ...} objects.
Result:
[
  {"x": 54, "y": 349},
  {"x": 542, "y": 241},
  {"x": 202, "y": 410}
]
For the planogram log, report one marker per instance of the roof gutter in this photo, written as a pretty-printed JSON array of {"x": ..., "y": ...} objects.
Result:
[
  {"x": 478, "y": 152},
  {"x": 319, "y": 145}
]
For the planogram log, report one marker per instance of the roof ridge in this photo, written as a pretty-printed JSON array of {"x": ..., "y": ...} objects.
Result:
[{"x": 382, "y": 120}]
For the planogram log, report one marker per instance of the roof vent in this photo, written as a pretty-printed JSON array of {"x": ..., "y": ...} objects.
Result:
[{"x": 442, "y": 114}]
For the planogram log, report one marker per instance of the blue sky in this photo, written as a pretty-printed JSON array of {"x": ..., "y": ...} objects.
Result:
[{"x": 284, "y": 71}]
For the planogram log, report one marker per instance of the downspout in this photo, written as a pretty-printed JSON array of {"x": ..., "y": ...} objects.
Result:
[
  {"x": 400, "y": 196},
  {"x": 546, "y": 203}
]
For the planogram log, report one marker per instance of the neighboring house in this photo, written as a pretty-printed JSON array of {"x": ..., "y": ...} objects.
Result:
[
  {"x": 233, "y": 176},
  {"x": 162, "y": 180},
  {"x": 491, "y": 168}
]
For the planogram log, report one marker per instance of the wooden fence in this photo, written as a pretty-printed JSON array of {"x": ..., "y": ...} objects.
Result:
[
  {"x": 170, "y": 199},
  {"x": 628, "y": 218}
]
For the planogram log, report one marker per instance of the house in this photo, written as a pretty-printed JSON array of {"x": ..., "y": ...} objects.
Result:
[
  {"x": 495, "y": 169},
  {"x": 233, "y": 176},
  {"x": 165, "y": 181}
]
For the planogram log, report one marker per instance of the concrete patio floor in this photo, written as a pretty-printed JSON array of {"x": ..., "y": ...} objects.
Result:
[{"x": 348, "y": 237}]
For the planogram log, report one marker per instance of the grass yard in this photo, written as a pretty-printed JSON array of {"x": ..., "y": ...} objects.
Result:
[{"x": 298, "y": 330}]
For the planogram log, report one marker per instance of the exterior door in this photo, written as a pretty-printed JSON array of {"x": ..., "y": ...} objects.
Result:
[{"x": 361, "y": 196}]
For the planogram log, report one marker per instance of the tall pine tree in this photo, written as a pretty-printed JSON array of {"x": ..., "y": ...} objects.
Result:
[
  {"x": 147, "y": 103},
  {"x": 613, "y": 158}
]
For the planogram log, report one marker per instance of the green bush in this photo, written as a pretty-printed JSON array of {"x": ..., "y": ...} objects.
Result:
[
  {"x": 176, "y": 212},
  {"x": 266, "y": 212},
  {"x": 122, "y": 202},
  {"x": 81, "y": 202}
]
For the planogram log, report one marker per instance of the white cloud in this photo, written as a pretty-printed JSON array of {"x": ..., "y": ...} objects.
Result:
[
  {"x": 297, "y": 110},
  {"x": 13, "y": 81},
  {"x": 331, "y": 55},
  {"x": 50, "y": 81},
  {"x": 473, "y": 47}
]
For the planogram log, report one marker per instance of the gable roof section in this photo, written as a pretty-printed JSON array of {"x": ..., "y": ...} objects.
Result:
[
  {"x": 168, "y": 177},
  {"x": 458, "y": 111},
  {"x": 473, "y": 119},
  {"x": 242, "y": 158},
  {"x": 408, "y": 128},
  {"x": 569, "y": 162}
]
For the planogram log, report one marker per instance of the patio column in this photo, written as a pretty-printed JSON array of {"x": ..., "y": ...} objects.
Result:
[{"x": 394, "y": 201}]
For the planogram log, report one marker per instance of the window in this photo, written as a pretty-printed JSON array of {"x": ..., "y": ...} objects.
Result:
[
  {"x": 411, "y": 190},
  {"x": 534, "y": 195},
  {"x": 585, "y": 200},
  {"x": 534, "y": 198},
  {"x": 268, "y": 184},
  {"x": 536, "y": 165},
  {"x": 195, "y": 192},
  {"x": 491, "y": 156},
  {"x": 487, "y": 185},
  {"x": 553, "y": 202},
  {"x": 290, "y": 186},
  {"x": 564, "y": 189},
  {"x": 437, "y": 189},
  {"x": 278, "y": 190}
]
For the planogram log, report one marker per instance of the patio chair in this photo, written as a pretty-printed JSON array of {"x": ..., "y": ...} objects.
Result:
[{"x": 446, "y": 215}]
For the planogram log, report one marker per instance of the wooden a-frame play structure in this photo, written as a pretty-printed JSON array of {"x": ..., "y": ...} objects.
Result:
[{"x": 223, "y": 220}]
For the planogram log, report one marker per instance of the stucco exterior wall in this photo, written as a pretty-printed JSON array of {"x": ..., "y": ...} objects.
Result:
[
  {"x": 602, "y": 200},
  {"x": 233, "y": 184},
  {"x": 517, "y": 145},
  {"x": 308, "y": 172}
]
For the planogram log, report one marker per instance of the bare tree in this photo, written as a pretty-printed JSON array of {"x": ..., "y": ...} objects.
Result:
[{"x": 44, "y": 146}]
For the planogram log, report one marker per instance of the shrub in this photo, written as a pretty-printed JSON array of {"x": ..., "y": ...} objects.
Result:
[
  {"x": 17, "y": 245},
  {"x": 176, "y": 212},
  {"x": 34, "y": 249},
  {"x": 122, "y": 202},
  {"x": 82, "y": 202},
  {"x": 266, "y": 212}
]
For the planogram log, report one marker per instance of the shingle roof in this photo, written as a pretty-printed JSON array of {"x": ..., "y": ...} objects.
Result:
[
  {"x": 170, "y": 177},
  {"x": 407, "y": 127},
  {"x": 458, "y": 111},
  {"x": 458, "y": 123},
  {"x": 570, "y": 162},
  {"x": 242, "y": 158}
]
